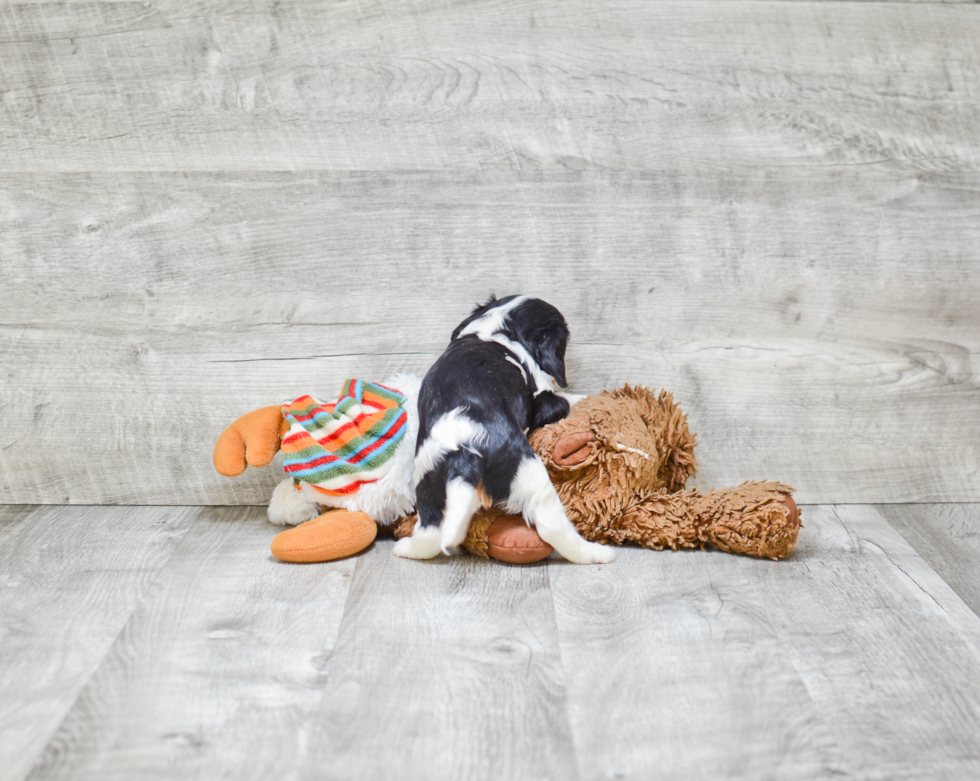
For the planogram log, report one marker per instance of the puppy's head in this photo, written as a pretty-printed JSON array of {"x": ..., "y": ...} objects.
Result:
[
  {"x": 542, "y": 330},
  {"x": 534, "y": 324}
]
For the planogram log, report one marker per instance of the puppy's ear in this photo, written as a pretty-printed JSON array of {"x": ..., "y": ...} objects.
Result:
[
  {"x": 547, "y": 409},
  {"x": 547, "y": 347}
]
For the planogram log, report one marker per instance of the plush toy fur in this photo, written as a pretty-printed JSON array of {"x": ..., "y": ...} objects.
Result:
[
  {"x": 255, "y": 438},
  {"x": 620, "y": 461},
  {"x": 351, "y": 522}
]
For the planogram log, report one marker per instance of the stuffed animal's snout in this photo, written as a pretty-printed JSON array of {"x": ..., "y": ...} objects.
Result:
[{"x": 573, "y": 449}]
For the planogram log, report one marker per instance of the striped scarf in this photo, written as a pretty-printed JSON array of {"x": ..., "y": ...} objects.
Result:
[{"x": 339, "y": 447}]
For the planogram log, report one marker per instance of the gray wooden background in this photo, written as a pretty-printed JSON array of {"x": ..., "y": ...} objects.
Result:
[{"x": 771, "y": 208}]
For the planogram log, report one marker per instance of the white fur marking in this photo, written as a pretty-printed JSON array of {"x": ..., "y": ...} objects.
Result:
[
  {"x": 462, "y": 501},
  {"x": 488, "y": 327},
  {"x": 533, "y": 495},
  {"x": 620, "y": 446},
  {"x": 542, "y": 379},
  {"x": 518, "y": 365},
  {"x": 423, "y": 544},
  {"x": 451, "y": 432},
  {"x": 493, "y": 319}
]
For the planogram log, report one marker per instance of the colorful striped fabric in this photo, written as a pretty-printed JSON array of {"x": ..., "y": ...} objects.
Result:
[{"x": 339, "y": 447}]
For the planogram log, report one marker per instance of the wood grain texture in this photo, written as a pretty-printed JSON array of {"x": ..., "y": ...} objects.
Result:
[
  {"x": 851, "y": 659},
  {"x": 69, "y": 580},
  {"x": 218, "y": 672},
  {"x": 627, "y": 85},
  {"x": 444, "y": 670},
  {"x": 770, "y": 208},
  {"x": 11, "y": 517},
  {"x": 819, "y": 325},
  {"x": 854, "y": 658},
  {"x": 947, "y": 536}
]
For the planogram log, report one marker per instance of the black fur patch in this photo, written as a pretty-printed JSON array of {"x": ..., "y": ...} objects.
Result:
[{"x": 476, "y": 375}]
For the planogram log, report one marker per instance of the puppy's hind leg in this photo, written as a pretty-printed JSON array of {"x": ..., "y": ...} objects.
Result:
[
  {"x": 462, "y": 501},
  {"x": 425, "y": 540},
  {"x": 533, "y": 495},
  {"x": 464, "y": 469}
]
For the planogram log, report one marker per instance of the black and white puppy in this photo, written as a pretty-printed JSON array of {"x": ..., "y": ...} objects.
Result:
[{"x": 496, "y": 380}]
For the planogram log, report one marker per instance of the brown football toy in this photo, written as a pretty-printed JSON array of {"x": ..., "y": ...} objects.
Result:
[{"x": 620, "y": 461}]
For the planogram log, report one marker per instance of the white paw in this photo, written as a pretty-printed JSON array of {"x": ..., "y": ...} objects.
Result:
[
  {"x": 423, "y": 544},
  {"x": 403, "y": 548},
  {"x": 593, "y": 553}
]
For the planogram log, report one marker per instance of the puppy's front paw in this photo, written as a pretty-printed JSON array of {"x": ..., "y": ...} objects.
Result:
[{"x": 593, "y": 553}]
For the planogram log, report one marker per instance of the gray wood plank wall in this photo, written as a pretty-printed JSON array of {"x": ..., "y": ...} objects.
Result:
[{"x": 772, "y": 208}]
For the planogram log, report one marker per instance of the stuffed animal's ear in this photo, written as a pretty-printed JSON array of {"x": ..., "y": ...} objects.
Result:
[
  {"x": 668, "y": 424},
  {"x": 655, "y": 409},
  {"x": 547, "y": 409}
]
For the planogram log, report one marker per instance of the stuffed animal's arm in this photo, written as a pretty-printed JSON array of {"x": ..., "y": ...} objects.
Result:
[
  {"x": 252, "y": 440},
  {"x": 757, "y": 519}
]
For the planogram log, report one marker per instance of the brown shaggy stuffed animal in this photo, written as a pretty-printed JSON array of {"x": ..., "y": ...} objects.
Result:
[{"x": 620, "y": 461}]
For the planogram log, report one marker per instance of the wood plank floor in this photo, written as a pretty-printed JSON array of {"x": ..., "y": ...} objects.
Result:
[{"x": 165, "y": 642}]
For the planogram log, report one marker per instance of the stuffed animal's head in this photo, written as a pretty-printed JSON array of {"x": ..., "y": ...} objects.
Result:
[{"x": 623, "y": 440}]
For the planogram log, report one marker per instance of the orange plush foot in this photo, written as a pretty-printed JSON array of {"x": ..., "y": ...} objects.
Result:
[
  {"x": 510, "y": 539},
  {"x": 330, "y": 536}
]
